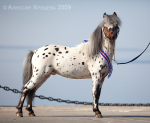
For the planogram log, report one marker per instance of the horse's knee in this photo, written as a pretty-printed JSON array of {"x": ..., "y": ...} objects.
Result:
[{"x": 97, "y": 91}]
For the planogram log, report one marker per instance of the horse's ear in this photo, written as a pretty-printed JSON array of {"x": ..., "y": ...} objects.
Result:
[
  {"x": 115, "y": 13},
  {"x": 104, "y": 14}
]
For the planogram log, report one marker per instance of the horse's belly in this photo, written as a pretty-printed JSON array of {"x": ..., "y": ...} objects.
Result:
[{"x": 75, "y": 72}]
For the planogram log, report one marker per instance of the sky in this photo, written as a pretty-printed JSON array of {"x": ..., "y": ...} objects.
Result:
[{"x": 28, "y": 25}]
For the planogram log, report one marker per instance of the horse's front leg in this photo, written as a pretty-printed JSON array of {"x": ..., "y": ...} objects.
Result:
[{"x": 97, "y": 84}]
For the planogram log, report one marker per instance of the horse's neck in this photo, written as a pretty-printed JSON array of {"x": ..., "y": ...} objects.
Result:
[{"x": 108, "y": 48}]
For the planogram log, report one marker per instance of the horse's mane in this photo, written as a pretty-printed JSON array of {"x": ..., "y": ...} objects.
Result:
[{"x": 96, "y": 38}]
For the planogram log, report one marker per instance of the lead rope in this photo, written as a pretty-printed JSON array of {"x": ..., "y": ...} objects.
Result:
[
  {"x": 132, "y": 59},
  {"x": 114, "y": 55}
]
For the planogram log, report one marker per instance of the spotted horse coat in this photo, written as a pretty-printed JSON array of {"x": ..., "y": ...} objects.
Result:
[{"x": 80, "y": 62}]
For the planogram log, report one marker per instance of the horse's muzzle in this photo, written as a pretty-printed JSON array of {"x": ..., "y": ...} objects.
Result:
[{"x": 110, "y": 34}]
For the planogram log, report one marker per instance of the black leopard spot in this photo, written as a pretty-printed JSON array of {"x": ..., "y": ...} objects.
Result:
[
  {"x": 82, "y": 63},
  {"x": 57, "y": 49},
  {"x": 46, "y": 49}
]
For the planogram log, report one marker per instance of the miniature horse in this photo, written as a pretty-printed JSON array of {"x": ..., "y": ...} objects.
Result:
[{"x": 91, "y": 59}]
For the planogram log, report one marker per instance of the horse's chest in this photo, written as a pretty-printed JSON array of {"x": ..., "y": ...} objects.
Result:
[{"x": 99, "y": 62}]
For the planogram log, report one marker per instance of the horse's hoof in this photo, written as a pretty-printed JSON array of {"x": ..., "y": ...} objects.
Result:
[
  {"x": 32, "y": 115},
  {"x": 98, "y": 116},
  {"x": 19, "y": 114}
]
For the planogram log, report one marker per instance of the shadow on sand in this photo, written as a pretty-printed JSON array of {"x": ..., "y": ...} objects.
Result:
[{"x": 104, "y": 116}]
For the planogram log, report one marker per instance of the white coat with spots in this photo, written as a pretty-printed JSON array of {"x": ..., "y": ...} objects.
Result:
[{"x": 80, "y": 62}]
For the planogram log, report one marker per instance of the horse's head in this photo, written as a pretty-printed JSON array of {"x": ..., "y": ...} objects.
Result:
[
  {"x": 107, "y": 29},
  {"x": 111, "y": 25}
]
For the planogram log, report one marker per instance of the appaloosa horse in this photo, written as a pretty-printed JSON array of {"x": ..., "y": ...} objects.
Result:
[{"x": 91, "y": 59}]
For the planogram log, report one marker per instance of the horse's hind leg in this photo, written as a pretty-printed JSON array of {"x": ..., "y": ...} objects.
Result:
[
  {"x": 20, "y": 104},
  {"x": 30, "y": 96},
  {"x": 27, "y": 88}
]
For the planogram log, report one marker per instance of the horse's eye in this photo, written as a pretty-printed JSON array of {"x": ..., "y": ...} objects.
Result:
[{"x": 117, "y": 27}]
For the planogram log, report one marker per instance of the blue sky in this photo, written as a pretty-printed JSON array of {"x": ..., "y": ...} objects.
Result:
[{"x": 24, "y": 30}]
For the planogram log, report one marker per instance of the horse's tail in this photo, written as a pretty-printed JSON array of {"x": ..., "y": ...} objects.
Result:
[{"x": 27, "y": 67}]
